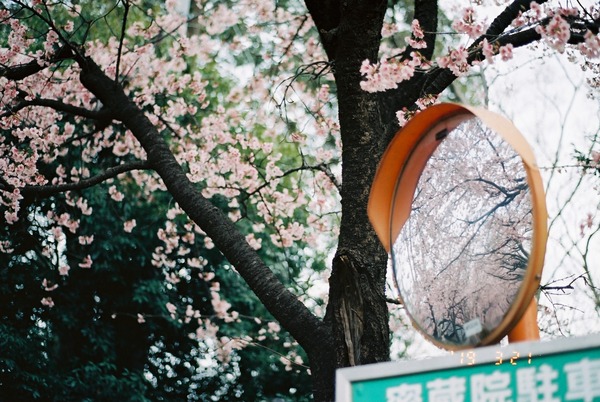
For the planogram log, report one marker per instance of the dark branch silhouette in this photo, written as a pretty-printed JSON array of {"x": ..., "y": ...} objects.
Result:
[{"x": 48, "y": 190}]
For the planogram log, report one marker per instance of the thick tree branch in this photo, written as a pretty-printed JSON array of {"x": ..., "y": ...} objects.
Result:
[
  {"x": 285, "y": 307},
  {"x": 59, "y": 106},
  {"x": 22, "y": 71},
  {"x": 506, "y": 17},
  {"x": 326, "y": 15},
  {"x": 48, "y": 190}
]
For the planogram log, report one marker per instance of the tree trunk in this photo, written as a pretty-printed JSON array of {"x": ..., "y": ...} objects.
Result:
[{"x": 357, "y": 311}]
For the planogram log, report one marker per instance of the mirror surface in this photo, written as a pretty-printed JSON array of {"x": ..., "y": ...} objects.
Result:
[{"x": 460, "y": 258}]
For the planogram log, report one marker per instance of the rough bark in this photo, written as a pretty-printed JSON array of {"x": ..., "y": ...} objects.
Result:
[
  {"x": 358, "y": 272},
  {"x": 357, "y": 311}
]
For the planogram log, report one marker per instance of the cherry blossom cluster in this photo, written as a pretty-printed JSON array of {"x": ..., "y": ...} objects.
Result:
[
  {"x": 551, "y": 22},
  {"x": 225, "y": 131},
  {"x": 456, "y": 61},
  {"x": 591, "y": 47},
  {"x": 193, "y": 146},
  {"x": 469, "y": 24},
  {"x": 422, "y": 103},
  {"x": 417, "y": 40},
  {"x": 557, "y": 33},
  {"x": 388, "y": 73},
  {"x": 291, "y": 359}
]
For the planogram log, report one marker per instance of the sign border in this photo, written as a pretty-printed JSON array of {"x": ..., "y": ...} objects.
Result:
[{"x": 345, "y": 377}]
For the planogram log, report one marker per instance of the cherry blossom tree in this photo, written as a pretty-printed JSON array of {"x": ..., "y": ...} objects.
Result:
[{"x": 176, "y": 125}]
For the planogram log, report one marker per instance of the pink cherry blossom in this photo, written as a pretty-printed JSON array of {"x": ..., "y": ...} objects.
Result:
[
  {"x": 556, "y": 33},
  {"x": 488, "y": 51},
  {"x": 228, "y": 345},
  {"x": 416, "y": 29},
  {"x": 5, "y": 247},
  {"x": 237, "y": 148},
  {"x": 273, "y": 327},
  {"x": 115, "y": 194},
  {"x": 468, "y": 23},
  {"x": 456, "y": 61},
  {"x": 63, "y": 270},
  {"x": 595, "y": 158},
  {"x": 83, "y": 206},
  {"x": 402, "y": 116},
  {"x": 388, "y": 29},
  {"x": 388, "y": 73},
  {"x": 51, "y": 40},
  {"x": 417, "y": 40},
  {"x": 85, "y": 240},
  {"x": 426, "y": 101},
  {"x": 253, "y": 241},
  {"x": 86, "y": 263},
  {"x": 48, "y": 287},
  {"x": 129, "y": 225},
  {"x": 220, "y": 306},
  {"x": 48, "y": 302},
  {"x": 506, "y": 52},
  {"x": 11, "y": 217},
  {"x": 172, "y": 309},
  {"x": 591, "y": 47}
]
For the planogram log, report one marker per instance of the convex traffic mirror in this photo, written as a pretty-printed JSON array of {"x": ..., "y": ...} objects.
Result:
[{"x": 458, "y": 202}]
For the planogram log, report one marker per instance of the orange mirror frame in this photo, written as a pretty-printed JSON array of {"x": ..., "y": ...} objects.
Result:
[{"x": 399, "y": 172}]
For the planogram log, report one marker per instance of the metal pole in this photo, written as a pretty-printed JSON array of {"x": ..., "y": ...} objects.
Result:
[{"x": 527, "y": 328}]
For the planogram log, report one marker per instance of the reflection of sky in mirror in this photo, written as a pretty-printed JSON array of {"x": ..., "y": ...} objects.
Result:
[{"x": 461, "y": 255}]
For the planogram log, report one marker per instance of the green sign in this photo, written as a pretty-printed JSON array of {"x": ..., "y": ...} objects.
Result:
[{"x": 555, "y": 371}]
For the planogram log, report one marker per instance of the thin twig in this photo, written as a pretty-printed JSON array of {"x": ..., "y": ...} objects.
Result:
[{"x": 122, "y": 39}]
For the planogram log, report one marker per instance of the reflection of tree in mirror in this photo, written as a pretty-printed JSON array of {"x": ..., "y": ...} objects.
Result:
[{"x": 461, "y": 256}]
